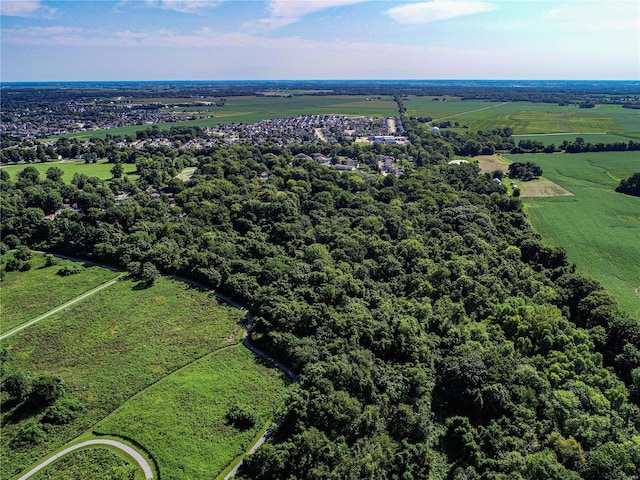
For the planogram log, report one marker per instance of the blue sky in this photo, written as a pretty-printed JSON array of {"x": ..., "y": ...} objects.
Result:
[{"x": 318, "y": 39}]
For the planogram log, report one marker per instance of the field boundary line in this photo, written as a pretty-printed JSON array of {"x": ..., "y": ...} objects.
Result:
[
  {"x": 470, "y": 111},
  {"x": 62, "y": 307}
]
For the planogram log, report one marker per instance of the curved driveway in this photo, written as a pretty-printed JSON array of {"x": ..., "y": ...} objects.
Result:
[{"x": 148, "y": 472}]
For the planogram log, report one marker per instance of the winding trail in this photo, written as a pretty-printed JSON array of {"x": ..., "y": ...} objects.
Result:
[
  {"x": 140, "y": 460},
  {"x": 61, "y": 307}
]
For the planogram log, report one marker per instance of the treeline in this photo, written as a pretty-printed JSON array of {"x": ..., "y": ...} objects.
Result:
[
  {"x": 630, "y": 186},
  {"x": 434, "y": 335}
]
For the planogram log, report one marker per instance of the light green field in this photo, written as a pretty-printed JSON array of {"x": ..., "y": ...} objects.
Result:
[
  {"x": 594, "y": 138},
  {"x": 528, "y": 118},
  {"x": 597, "y": 227},
  {"x": 24, "y": 296},
  {"x": 181, "y": 419},
  {"x": 108, "y": 348},
  {"x": 89, "y": 464},
  {"x": 100, "y": 169},
  {"x": 253, "y": 109}
]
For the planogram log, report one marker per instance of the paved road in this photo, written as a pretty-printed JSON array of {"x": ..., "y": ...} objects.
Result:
[
  {"x": 61, "y": 307},
  {"x": 148, "y": 472}
]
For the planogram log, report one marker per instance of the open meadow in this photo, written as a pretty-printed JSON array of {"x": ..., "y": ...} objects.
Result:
[
  {"x": 182, "y": 420},
  {"x": 26, "y": 296},
  {"x": 106, "y": 349},
  {"x": 100, "y": 169},
  {"x": 597, "y": 227}
]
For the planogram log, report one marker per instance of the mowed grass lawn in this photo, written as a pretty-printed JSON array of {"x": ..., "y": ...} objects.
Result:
[
  {"x": 108, "y": 348},
  {"x": 27, "y": 295},
  {"x": 528, "y": 118},
  {"x": 100, "y": 169},
  {"x": 597, "y": 227},
  {"x": 181, "y": 420}
]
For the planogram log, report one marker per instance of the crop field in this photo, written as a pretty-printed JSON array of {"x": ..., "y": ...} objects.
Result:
[
  {"x": 108, "y": 348},
  {"x": 100, "y": 169},
  {"x": 557, "y": 139},
  {"x": 529, "y": 118},
  {"x": 181, "y": 420},
  {"x": 597, "y": 227},
  {"x": 24, "y": 296}
]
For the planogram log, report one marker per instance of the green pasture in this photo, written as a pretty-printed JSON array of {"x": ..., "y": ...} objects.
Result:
[
  {"x": 107, "y": 348},
  {"x": 529, "y": 118},
  {"x": 254, "y": 109},
  {"x": 27, "y": 295},
  {"x": 91, "y": 463},
  {"x": 181, "y": 420},
  {"x": 597, "y": 227},
  {"x": 100, "y": 169},
  {"x": 557, "y": 139}
]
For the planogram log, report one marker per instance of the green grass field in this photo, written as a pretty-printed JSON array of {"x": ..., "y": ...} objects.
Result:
[
  {"x": 254, "y": 109},
  {"x": 181, "y": 419},
  {"x": 529, "y": 118},
  {"x": 100, "y": 169},
  {"x": 556, "y": 140},
  {"x": 27, "y": 295},
  {"x": 108, "y": 348},
  {"x": 597, "y": 227},
  {"x": 89, "y": 464}
]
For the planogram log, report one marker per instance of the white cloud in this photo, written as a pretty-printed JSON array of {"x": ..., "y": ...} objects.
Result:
[
  {"x": 286, "y": 12},
  {"x": 184, "y": 6},
  {"x": 427, "y": 12},
  {"x": 613, "y": 16},
  {"x": 25, "y": 8}
]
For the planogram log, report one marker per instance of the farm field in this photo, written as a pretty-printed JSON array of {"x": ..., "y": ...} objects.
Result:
[
  {"x": 557, "y": 139},
  {"x": 100, "y": 169},
  {"x": 597, "y": 227},
  {"x": 24, "y": 296},
  {"x": 529, "y": 118},
  {"x": 253, "y": 109},
  {"x": 181, "y": 420},
  {"x": 108, "y": 348}
]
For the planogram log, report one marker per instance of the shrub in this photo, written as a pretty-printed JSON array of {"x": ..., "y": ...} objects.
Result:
[
  {"x": 30, "y": 434},
  {"x": 240, "y": 419},
  {"x": 17, "y": 385},
  {"x": 62, "y": 411},
  {"x": 70, "y": 270},
  {"x": 46, "y": 389}
]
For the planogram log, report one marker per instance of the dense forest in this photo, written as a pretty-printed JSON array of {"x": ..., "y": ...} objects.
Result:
[{"x": 433, "y": 333}]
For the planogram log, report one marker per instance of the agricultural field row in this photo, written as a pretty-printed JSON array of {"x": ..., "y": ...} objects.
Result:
[
  {"x": 597, "y": 227},
  {"x": 529, "y": 118}
]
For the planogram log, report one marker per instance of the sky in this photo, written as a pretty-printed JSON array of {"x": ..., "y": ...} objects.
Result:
[{"x": 111, "y": 40}]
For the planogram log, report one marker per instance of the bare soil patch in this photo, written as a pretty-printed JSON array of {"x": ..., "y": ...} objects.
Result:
[{"x": 541, "y": 187}]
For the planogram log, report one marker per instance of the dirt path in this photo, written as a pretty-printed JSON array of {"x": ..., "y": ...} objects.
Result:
[
  {"x": 146, "y": 468},
  {"x": 61, "y": 307},
  {"x": 391, "y": 126},
  {"x": 470, "y": 111}
]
